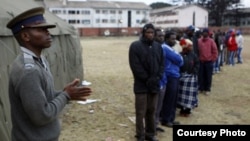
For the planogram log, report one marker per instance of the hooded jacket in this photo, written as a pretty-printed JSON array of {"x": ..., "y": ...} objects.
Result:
[{"x": 147, "y": 63}]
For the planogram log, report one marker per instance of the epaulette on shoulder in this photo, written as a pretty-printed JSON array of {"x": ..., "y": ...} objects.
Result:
[
  {"x": 28, "y": 66},
  {"x": 28, "y": 61}
]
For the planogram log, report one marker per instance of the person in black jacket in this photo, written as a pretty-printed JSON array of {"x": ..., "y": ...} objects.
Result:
[
  {"x": 188, "y": 84},
  {"x": 147, "y": 65}
]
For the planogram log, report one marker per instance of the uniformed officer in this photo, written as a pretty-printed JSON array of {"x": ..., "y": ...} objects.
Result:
[{"x": 35, "y": 105}]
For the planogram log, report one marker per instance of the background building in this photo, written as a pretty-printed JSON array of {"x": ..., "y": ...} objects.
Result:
[
  {"x": 179, "y": 16},
  {"x": 101, "y": 17}
]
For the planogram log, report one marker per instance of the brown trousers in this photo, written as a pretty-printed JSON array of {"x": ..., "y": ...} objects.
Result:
[{"x": 145, "y": 107}]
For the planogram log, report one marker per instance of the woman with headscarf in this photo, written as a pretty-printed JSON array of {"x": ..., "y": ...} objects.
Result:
[{"x": 188, "y": 82}]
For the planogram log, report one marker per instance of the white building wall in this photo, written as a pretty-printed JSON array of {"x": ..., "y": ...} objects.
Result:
[
  {"x": 136, "y": 17},
  {"x": 186, "y": 17}
]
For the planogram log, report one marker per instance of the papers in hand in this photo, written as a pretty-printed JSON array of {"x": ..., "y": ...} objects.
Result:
[
  {"x": 86, "y": 83},
  {"x": 88, "y": 101}
]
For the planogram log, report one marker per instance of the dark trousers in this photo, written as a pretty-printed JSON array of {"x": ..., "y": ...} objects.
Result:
[
  {"x": 159, "y": 105},
  {"x": 205, "y": 75},
  {"x": 170, "y": 100},
  {"x": 145, "y": 106}
]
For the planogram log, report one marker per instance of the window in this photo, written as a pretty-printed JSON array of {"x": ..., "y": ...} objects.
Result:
[
  {"x": 85, "y": 21},
  {"x": 138, "y": 12},
  {"x": 104, "y": 11},
  {"x": 73, "y": 12},
  {"x": 85, "y": 12},
  {"x": 138, "y": 21},
  {"x": 56, "y": 11},
  {"x": 112, "y": 21},
  {"x": 97, "y": 11},
  {"x": 74, "y": 21},
  {"x": 120, "y": 12},
  {"x": 104, "y": 20},
  {"x": 112, "y": 11},
  {"x": 97, "y": 20}
]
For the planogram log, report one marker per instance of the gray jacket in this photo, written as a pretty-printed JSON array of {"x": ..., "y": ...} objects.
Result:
[{"x": 35, "y": 105}]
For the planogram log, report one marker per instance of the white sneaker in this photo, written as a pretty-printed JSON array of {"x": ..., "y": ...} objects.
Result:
[{"x": 207, "y": 93}]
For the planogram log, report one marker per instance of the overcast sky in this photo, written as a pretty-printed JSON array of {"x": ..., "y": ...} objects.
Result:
[{"x": 148, "y": 2}]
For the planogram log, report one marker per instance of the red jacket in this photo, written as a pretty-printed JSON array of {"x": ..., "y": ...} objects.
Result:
[
  {"x": 207, "y": 49},
  {"x": 232, "y": 44}
]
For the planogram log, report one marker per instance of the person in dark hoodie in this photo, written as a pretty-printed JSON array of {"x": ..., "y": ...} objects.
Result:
[{"x": 147, "y": 65}]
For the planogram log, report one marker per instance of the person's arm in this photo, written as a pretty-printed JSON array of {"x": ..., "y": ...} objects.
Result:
[
  {"x": 40, "y": 102},
  {"x": 135, "y": 63},
  {"x": 162, "y": 64},
  {"x": 34, "y": 99},
  {"x": 196, "y": 64},
  {"x": 214, "y": 51},
  {"x": 174, "y": 57}
]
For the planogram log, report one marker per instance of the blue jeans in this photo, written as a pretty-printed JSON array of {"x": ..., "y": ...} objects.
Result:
[
  {"x": 239, "y": 57},
  {"x": 231, "y": 57},
  {"x": 217, "y": 63}
]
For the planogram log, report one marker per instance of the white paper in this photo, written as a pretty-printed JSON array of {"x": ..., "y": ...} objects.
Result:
[{"x": 88, "y": 101}]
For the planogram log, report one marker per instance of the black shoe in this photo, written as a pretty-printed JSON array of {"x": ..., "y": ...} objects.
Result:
[
  {"x": 170, "y": 124},
  {"x": 176, "y": 123},
  {"x": 139, "y": 138},
  {"x": 160, "y": 129},
  {"x": 150, "y": 138}
]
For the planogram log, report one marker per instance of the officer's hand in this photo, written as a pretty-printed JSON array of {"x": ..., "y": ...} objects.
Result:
[{"x": 76, "y": 92}]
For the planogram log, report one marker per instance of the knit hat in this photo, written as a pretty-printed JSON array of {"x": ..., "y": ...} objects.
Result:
[
  {"x": 147, "y": 26},
  {"x": 191, "y": 28},
  {"x": 238, "y": 32},
  {"x": 205, "y": 30},
  {"x": 184, "y": 43}
]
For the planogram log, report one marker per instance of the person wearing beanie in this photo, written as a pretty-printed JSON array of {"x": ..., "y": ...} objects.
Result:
[
  {"x": 188, "y": 86},
  {"x": 146, "y": 62},
  {"x": 192, "y": 33},
  {"x": 208, "y": 54}
]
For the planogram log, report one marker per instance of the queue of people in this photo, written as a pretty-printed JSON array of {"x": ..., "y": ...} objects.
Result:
[
  {"x": 180, "y": 76},
  {"x": 168, "y": 72}
]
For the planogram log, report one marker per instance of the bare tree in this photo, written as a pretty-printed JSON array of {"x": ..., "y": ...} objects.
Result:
[{"x": 217, "y": 9}]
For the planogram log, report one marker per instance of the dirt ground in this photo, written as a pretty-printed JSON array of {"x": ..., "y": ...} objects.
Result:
[{"x": 111, "y": 117}]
